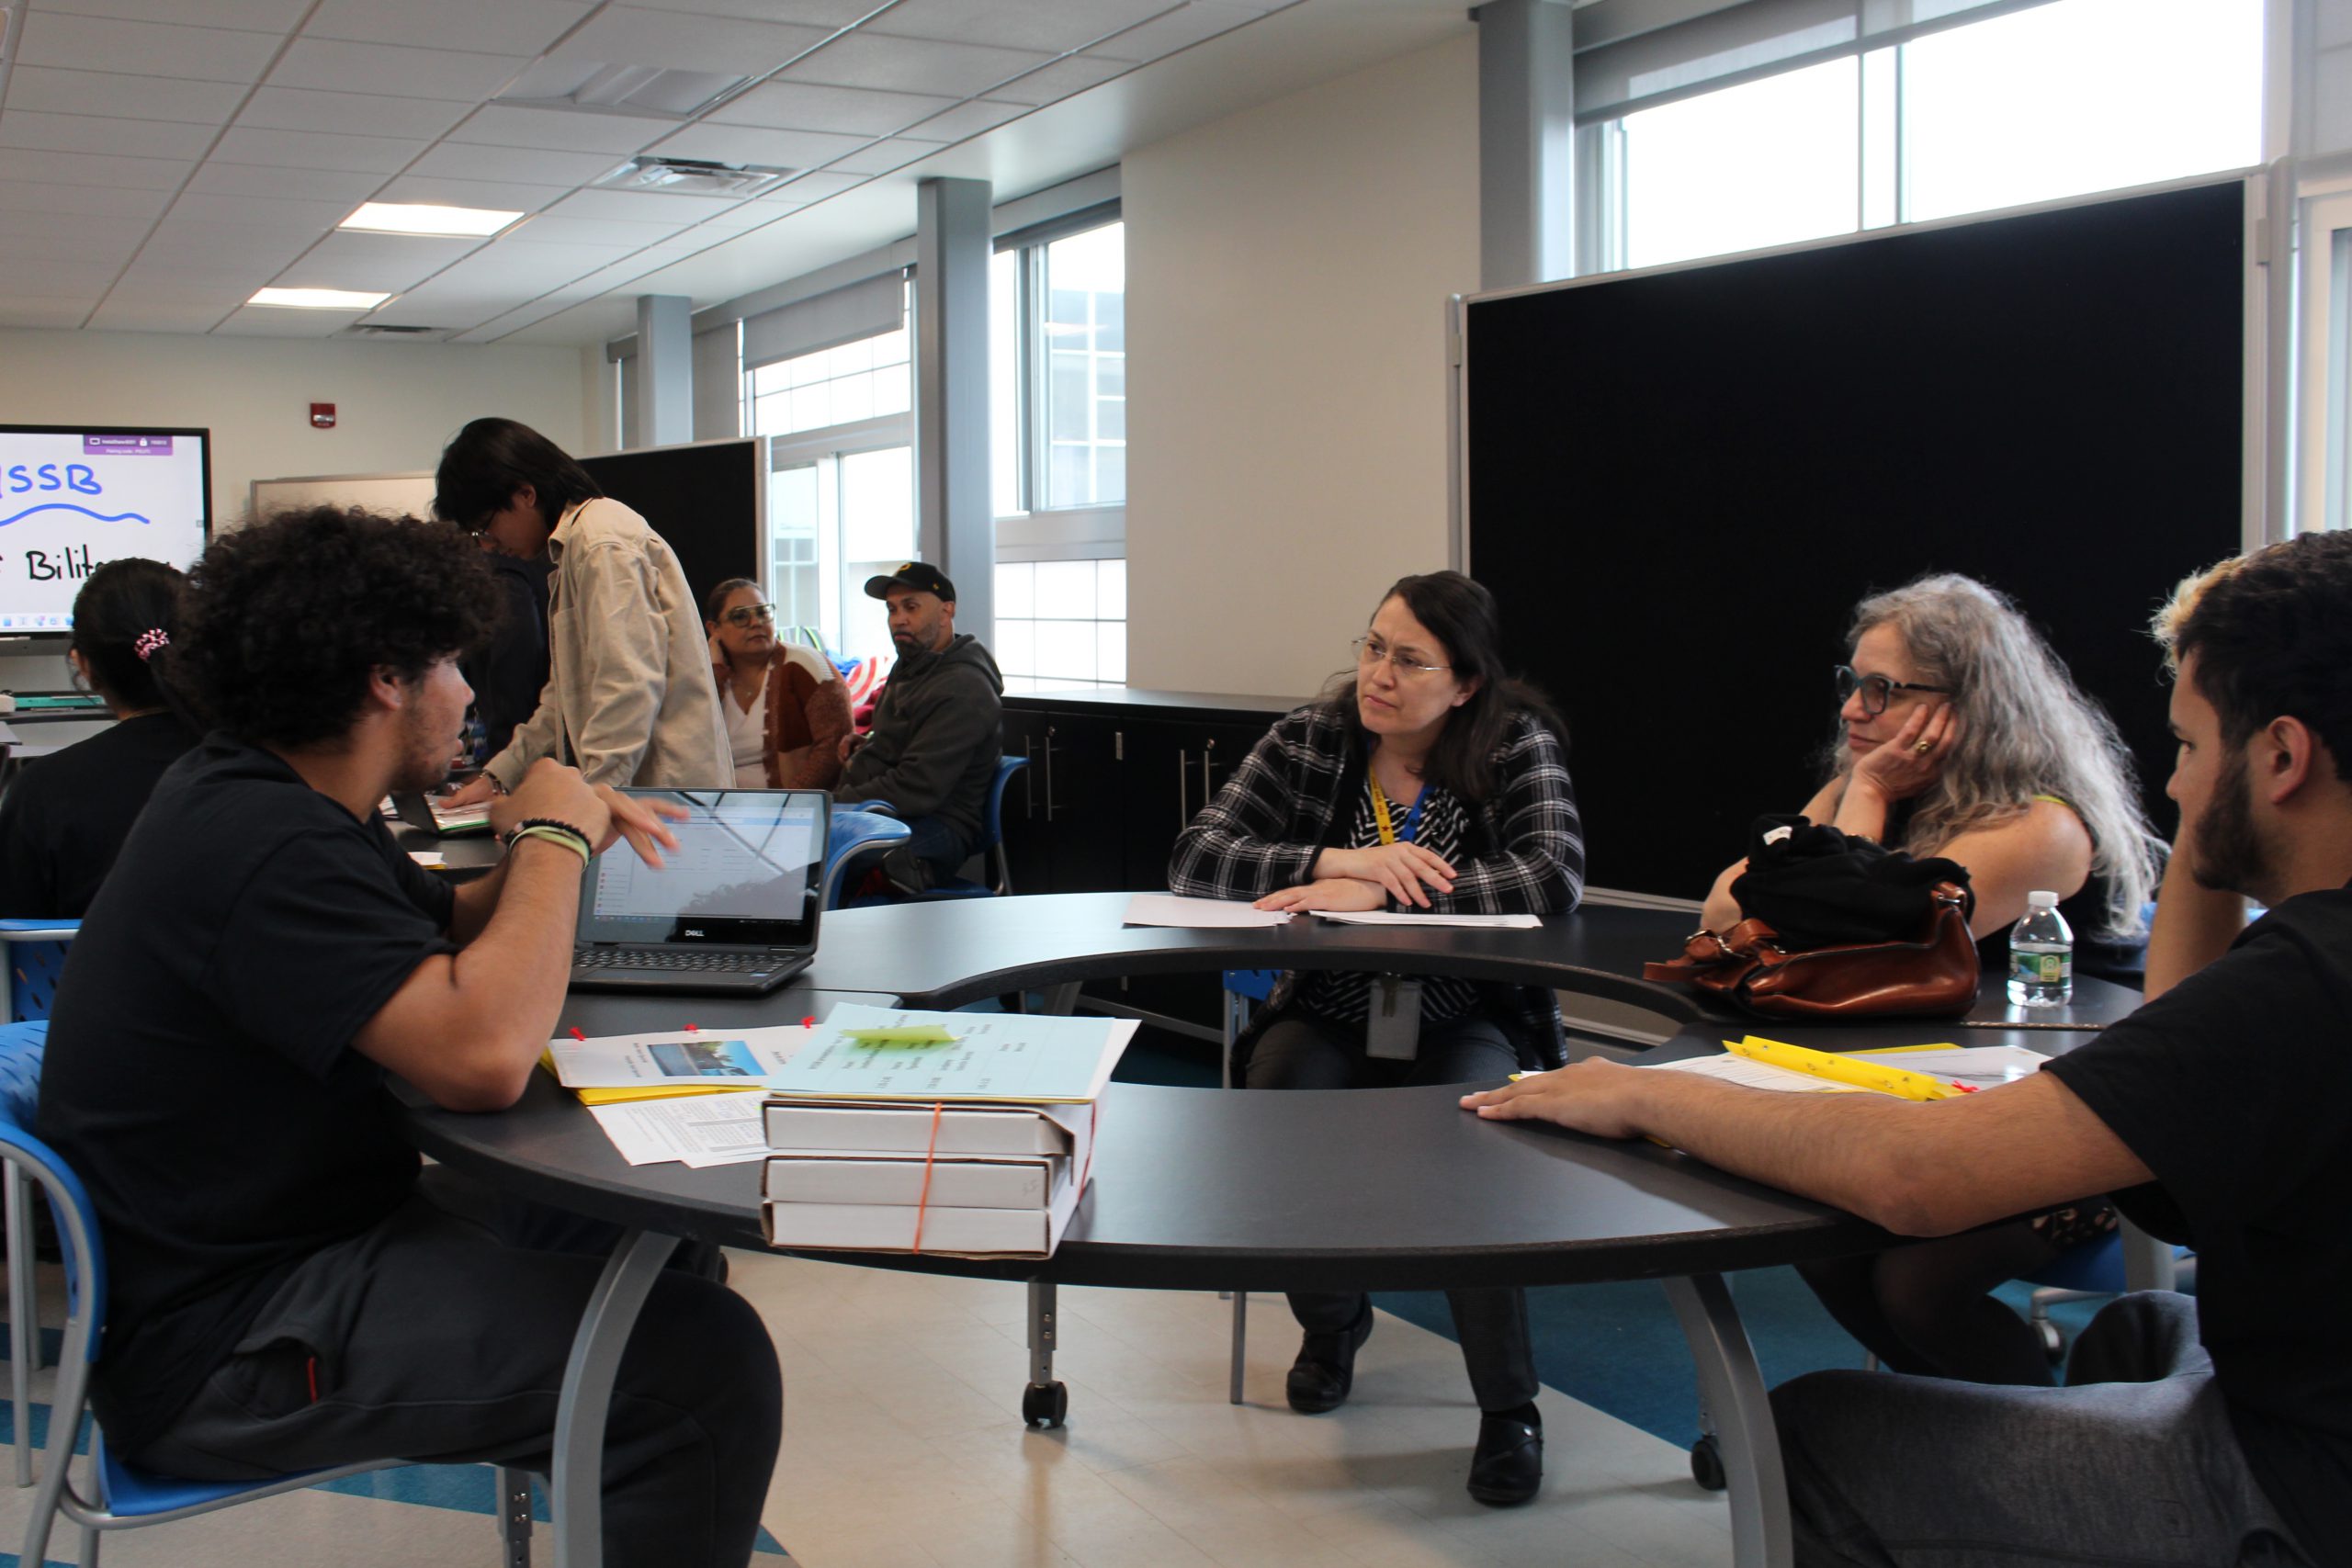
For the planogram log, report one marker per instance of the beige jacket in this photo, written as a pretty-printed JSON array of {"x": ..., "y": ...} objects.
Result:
[{"x": 629, "y": 698}]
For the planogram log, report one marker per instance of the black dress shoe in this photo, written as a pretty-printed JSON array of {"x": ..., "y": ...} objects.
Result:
[
  {"x": 1325, "y": 1368},
  {"x": 1509, "y": 1466}
]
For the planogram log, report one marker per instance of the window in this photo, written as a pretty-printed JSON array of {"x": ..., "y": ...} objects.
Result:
[
  {"x": 2057, "y": 99},
  {"x": 1058, "y": 444},
  {"x": 840, "y": 482}
]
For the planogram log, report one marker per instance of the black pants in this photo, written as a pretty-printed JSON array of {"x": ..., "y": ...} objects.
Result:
[
  {"x": 1927, "y": 1309},
  {"x": 1300, "y": 1053},
  {"x": 441, "y": 1335}
]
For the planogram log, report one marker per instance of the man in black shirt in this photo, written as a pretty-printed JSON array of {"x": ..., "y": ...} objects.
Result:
[
  {"x": 286, "y": 1290},
  {"x": 2219, "y": 1114}
]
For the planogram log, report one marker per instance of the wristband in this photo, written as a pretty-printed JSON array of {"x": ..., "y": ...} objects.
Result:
[{"x": 554, "y": 831}]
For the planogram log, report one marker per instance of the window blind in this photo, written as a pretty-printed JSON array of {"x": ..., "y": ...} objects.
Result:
[{"x": 825, "y": 320}]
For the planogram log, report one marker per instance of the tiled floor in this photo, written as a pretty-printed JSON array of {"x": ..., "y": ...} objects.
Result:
[{"x": 904, "y": 1448}]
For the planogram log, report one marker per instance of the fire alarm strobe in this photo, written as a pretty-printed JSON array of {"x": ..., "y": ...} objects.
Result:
[{"x": 322, "y": 415}]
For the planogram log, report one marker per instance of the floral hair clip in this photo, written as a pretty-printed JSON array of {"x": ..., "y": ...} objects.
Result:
[{"x": 148, "y": 642}]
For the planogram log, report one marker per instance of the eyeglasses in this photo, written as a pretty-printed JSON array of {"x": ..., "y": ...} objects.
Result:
[
  {"x": 744, "y": 615},
  {"x": 1371, "y": 650},
  {"x": 1876, "y": 689}
]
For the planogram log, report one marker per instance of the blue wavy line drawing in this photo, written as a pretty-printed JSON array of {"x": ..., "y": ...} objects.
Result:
[{"x": 69, "y": 507}]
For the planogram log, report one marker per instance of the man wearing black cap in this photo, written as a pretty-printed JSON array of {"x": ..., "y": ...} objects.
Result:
[{"x": 933, "y": 746}]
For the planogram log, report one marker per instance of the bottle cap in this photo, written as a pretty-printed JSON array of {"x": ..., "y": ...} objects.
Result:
[{"x": 2040, "y": 900}]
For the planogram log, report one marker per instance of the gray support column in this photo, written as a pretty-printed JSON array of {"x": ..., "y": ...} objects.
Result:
[
  {"x": 665, "y": 371},
  {"x": 955, "y": 518},
  {"x": 1526, "y": 142}
]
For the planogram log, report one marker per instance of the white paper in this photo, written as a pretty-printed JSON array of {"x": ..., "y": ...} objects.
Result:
[
  {"x": 429, "y": 859},
  {"x": 710, "y": 1058},
  {"x": 1979, "y": 1067},
  {"x": 993, "y": 1055},
  {"x": 1201, "y": 914},
  {"x": 696, "y": 1129},
  {"x": 1755, "y": 1075},
  {"x": 1428, "y": 917}
]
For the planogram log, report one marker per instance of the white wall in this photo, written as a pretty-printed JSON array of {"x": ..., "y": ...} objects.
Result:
[
  {"x": 1287, "y": 271},
  {"x": 396, "y": 403}
]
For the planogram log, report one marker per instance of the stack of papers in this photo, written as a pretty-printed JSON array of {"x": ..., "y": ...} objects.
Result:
[
  {"x": 1912, "y": 1071},
  {"x": 454, "y": 819},
  {"x": 692, "y": 1096},
  {"x": 969, "y": 1135}
]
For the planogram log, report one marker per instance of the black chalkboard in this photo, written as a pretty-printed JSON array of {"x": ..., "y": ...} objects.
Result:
[
  {"x": 1679, "y": 484},
  {"x": 702, "y": 498}
]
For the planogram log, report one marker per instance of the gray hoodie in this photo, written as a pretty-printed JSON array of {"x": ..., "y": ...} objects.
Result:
[{"x": 934, "y": 743}]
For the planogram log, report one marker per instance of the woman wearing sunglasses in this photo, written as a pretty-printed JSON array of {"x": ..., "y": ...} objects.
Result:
[
  {"x": 786, "y": 709},
  {"x": 1960, "y": 734},
  {"x": 1428, "y": 778}
]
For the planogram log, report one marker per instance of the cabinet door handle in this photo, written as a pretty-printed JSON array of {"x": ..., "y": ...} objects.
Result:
[
  {"x": 1049, "y": 772},
  {"x": 1183, "y": 793},
  {"x": 1028, "y": 784},
  {"x": 1208, "y": 756}
]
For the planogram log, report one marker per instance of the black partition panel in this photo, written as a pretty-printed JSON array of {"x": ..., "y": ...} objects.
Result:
[
  {"x": 1679, "y": 484},
  {"x": 703, "y": 499}
]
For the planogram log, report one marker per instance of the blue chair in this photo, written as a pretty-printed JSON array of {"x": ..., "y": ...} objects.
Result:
[
  {"x": 2094, "y": 1269},
  {"x": 858, "y": 840},
  {"x": 122, "y": 1495},
  {"x": 36, "y": 955},
  {"x": 992, "y": 844}
]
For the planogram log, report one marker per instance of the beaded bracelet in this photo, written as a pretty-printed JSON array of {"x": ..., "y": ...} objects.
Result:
[{"x": 554, "y": 831}]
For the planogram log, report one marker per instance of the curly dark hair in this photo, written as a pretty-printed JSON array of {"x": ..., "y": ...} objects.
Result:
[
  {"x": 2271, "y": 632},
  {"x": 284, "y": 620}
]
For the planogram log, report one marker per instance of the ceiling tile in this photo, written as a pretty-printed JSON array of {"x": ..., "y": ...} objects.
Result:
[
  {"x": 680, "y": 40},
  {"x": 388, "y": 261},
  {"x": 803, "y": 106},
  {"x": 316, "y": 150},
  {"x": 97, "y": 134},
  {"x": 225, "y": 246},
  {"x": 258, "y": 16},
  {"x": 220, "y": 290},
  {"x": 43, "y": 313},
  {"x": 751, "y": 144},
  {"x": 751, "y": 214},
  {"x": 96, "y": 169},
  {"x": 347, "y": 186},
  {"x": 637, "y": 205},
  {"x": 48, "y": 90},
  {"x": 351, "y": 114},
  {"x": 510, "y": 26},
  {"x": 509, "y": 196},
  {"x": 334, "y": 66},
  {"x": 882, "y": 157},
  {"x": 1179, "y": 29},
  {"x": 121, "y": 314},
  {"x": 564, "y": 131},
  {"x": 815, "y": 188},
  {"x": 57, "y": 234},
  {"x": 438, "y": 305},
  {"x": 260, "y": 211},
  {"x": 970, "y": 119},
  {"x": 549, "y": 228},
  {"x": 97, "y": 201},
  {"x": 1060, "y": 79},
  {"x": 1055, "y": 27},
  {"x": 807, "y": 13},
  {"x": 56, "y": 277},
  {"x": 531, "y": 166},
  {"x": 144, "y": 49},
  {"x": 912, "y": 65},
  {"x": 265, "y": 321},
  {"x": 522, "y": 270}
]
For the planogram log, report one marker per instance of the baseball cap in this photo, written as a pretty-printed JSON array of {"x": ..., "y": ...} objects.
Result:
[{"x": 916, "y": 575}]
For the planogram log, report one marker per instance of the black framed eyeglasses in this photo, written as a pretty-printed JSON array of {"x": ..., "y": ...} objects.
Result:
[
  {"x": 1876, "y": 690},
  {"x": 744, "y": 615}
]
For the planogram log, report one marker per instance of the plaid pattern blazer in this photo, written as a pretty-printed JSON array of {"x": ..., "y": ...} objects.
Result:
[{"x": 1293, "y": 797}]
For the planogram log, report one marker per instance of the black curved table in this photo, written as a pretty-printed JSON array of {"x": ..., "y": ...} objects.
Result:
[{"x": 1202, "y": 1190}]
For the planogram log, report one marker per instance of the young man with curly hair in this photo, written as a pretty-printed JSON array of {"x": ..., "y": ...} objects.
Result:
[
  {"x": 288, "y": 1290},
  {"x": 2217, "y": 1431}
]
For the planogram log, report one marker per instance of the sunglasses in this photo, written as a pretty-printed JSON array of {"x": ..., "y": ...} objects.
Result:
[{"x": 1876, "y": 689}]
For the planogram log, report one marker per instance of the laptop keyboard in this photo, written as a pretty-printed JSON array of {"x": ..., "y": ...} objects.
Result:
[{"x": 702, "y": 962}]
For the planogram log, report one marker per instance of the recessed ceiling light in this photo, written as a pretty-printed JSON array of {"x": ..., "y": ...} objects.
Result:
[
  {"x": 423, "y": 218},
  {"x": 318, "y": 298}
]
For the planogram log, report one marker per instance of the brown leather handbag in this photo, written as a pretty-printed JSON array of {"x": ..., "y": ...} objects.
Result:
[{"x": 1935, "y": 975}]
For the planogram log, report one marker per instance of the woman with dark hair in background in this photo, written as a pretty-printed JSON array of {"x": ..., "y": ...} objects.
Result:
[
  {"x": 786, "y": 708},
  {"x": 1429, "y": 779},
  {"x": 629, "y": 699},
  {"x": 65, "y": 818}
]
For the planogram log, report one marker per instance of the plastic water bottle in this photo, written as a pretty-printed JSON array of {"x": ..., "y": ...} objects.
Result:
[{"x": 2041, "y": 955}]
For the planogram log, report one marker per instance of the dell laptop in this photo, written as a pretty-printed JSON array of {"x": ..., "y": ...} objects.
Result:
[{"x": 732, "y": 909}]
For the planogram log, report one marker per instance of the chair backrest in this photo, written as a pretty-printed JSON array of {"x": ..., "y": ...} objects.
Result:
[
  {"x": 857, "y": 836},
  {"x": 35, "y": 955},
  {"x": 22, "y": 1047},
  {"x": 992, "y": 826}
]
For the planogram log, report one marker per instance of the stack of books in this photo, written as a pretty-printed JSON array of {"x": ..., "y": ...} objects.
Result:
[{"x": 962, "y": 1134}]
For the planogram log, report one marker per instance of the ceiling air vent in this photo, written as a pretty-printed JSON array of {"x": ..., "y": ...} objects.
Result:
[
  {"x": 693, "y": 177},
  {"x": 621, "y": 89},
  {"x": 388, "y": 330}
]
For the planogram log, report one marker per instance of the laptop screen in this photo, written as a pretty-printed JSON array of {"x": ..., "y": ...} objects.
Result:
[{"x": 748, "y": 871}]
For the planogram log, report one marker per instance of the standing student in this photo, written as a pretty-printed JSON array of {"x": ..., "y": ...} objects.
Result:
[
  {"x": 629, "y": 698},
  {"x": 288, "y": 1288},
  {"x": 63, "y": 821},
  {"x": 1430, "y": 779}
]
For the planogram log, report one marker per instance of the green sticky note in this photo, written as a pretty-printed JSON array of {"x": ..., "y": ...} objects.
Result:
[{"x": 924, "y": 1034}]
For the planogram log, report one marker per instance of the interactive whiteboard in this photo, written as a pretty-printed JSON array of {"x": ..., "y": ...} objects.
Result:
[{"x": 72, "y": 499}]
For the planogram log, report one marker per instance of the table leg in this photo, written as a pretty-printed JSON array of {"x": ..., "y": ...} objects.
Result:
[
  {"x": 2148, "y": 1264},
  {"x": 587, "y": 1397},
  {"x": 1044, "y": 1402},
  {"x": 1731, "y": 1389},
  {"x": 1061, "y": 1001}
]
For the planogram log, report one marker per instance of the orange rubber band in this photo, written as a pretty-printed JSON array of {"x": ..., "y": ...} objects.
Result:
[{"x": 922, "y": 1199}]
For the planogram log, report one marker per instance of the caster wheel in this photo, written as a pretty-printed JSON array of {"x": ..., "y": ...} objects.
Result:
[
  {"x": 2053, "y": 1342},
  {"x": 1045, "y": 1404},
  {"x": 1707, "y": 1463}
]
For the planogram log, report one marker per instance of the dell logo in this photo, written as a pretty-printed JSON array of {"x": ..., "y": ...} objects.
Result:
[{"x": 691, "y": 931}]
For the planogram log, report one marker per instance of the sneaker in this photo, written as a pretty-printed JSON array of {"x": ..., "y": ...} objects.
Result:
[
  {"x": 1507, "y": 1468},
  {"x": 1325, "y": 1368},
  {"x": 908, "y": 876}
]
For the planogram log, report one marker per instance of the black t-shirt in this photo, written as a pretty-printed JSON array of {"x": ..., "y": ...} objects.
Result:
[
  {"x": 2236, "y": 1088},
  {"x": 65, "y": 818},
  {"x": 199, "y": 1076}
]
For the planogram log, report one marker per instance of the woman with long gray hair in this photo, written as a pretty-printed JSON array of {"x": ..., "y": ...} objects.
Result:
[{"x": 1961, "y": 735}]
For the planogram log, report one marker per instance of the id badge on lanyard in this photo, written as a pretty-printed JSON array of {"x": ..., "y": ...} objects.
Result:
[{"x": 1392, "y": 1030}]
